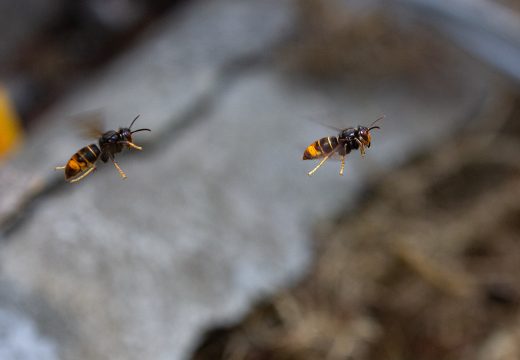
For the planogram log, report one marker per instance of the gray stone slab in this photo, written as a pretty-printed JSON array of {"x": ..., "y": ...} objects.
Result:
[
  {"x": 176, "y": 65},
  {"x": 173, "y": 65}
]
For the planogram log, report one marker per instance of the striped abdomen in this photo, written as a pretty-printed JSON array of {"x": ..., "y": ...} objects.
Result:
[
  {"x": 320, "y": 148},
  {"x": 81, "y": 161}
]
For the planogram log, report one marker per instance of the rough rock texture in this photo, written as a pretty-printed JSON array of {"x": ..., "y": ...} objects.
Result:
[{"x": 217, "y": 209}]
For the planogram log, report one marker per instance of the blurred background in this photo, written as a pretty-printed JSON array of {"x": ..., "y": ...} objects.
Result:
[{"x": 218, "y": 245}]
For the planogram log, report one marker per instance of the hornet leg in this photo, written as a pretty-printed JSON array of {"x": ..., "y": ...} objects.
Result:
[
  {"x": 132, "y": 145},
  {"x": 361, "y": 148},
  {"x": 83, "y": 175},
  {"x": 342, "y": 165},
  {"x": 121, "y": 172},
  {"x": 318, "y": 166}
]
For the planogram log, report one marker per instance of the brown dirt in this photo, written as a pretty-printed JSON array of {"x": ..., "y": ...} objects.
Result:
[{"x": 427, "y": 268}]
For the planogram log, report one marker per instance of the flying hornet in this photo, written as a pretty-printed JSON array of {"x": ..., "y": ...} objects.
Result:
[
  {"x": 352, "y": 138},
  {"x": 111, "y": 142}
]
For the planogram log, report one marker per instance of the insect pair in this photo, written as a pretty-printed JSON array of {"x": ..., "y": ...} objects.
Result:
[
  {"x": 341, "y": 145},
  {"x": 111, "y": 142},
  {"x": 83, "y": 162}
]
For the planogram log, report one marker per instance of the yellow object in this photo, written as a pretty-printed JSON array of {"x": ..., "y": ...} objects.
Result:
[{"x": 10, "y": 129}]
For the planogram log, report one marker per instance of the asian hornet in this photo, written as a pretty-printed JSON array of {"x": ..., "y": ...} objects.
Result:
[
  {"x": 347, "y": 140},
  {"x": 83, "y": 162}
]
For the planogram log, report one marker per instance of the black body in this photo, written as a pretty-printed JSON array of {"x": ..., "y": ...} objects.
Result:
[
  {"x": 112, "y": 142},
  {"x": 349, "y": 139}
]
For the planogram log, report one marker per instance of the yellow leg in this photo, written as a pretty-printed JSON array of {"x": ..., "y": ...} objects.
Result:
[
  {"x": 318, "y": 166},
  {"x": 83, "y": 175},
  {"x": 132, "y": 145},
  {"x": 121, "y": 172},
  {"x": 59, "y": 167},
  {"x": 342, "y": 165},
  {"x": 361, "y": 148}
]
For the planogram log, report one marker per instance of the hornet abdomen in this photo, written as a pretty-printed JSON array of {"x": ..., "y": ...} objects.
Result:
[
  {"x": 82, "y": 161},
  {"x": 320, "y": 148}
]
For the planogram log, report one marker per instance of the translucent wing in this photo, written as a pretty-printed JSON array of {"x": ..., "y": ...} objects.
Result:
[
  {"x": 90, "y": 123},
  {"x": 337, "y": 157},
  {"x": 314, "y": 120},
  {"x": 332, "y": 127}
]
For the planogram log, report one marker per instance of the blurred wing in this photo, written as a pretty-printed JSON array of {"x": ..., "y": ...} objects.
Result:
[
  {"x": 332, "y": 127},
  {"x": 336, "y": 157},
  {"x": 337, "y": 129},
  {"x": 90, "y": 123}
]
